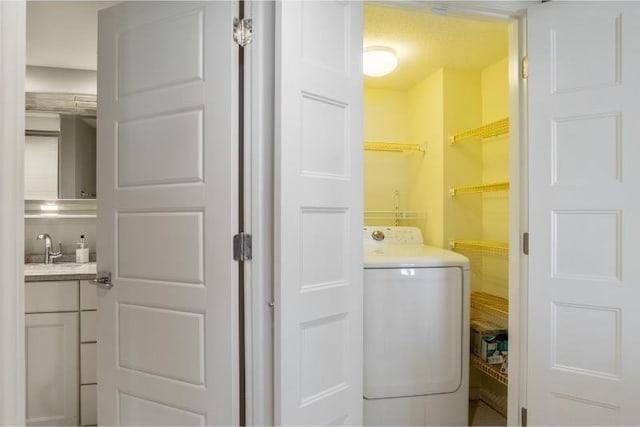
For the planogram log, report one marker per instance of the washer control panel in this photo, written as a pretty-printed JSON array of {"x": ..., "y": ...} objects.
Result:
[{"x": 392, "y": 235}]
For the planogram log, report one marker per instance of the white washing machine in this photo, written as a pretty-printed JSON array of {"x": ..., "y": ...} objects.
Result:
[{"x": 416, "y": 330}]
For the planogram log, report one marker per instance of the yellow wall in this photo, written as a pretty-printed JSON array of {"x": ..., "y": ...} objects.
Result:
[
  {"x": 495, "y": 154},
  {"x": 463, "y": 160},
  {"x": 425, "y": 190},
  {"x": 495, "y": 91},
  {"x": 445, "y": 102},
  {"x": 386, "y": 115},
  {"x": 416, "y": 117}
]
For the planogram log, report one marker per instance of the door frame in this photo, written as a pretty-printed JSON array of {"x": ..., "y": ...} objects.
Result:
[
  {"x": 513, "y": 13},
  {"x": 12, "y": 76},
  {"x": 518, "y": 222},
  {"x": 259, "y": 75}
]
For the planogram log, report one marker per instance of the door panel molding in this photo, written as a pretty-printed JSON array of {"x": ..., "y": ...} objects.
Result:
[
  {"x": 318, "y": 213},
  {"x": 168, "y": 336},
  {"x": 584, "y": 214}
]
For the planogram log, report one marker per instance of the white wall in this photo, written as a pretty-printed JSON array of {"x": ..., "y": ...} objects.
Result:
[
  {"x": 61, "y": 80},
  {"x": 65, "y": 230}
]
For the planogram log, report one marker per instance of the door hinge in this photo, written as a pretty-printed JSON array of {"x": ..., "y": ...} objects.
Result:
[
  {"x": 523, "y": 417},
  {"x": 524, "y": 67},
  {"x": 525, "y": 243},
  {"x": 242, "y": 247},
  {"x": 242, "y": 31}
]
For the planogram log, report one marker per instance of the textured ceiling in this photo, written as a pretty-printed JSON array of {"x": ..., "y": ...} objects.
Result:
[
  {"x": 425, "y": 42},
  {"x": 63, "y": 33}
]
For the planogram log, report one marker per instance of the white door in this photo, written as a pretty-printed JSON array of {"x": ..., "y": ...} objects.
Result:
[
  {"x": 584, "y": 294},
  {"x": 167, "y": 208},
  {"x": 318, "y": 203}
]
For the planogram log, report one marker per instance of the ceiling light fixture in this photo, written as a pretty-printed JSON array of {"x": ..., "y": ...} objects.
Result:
[{"x": 378, "y": 61}]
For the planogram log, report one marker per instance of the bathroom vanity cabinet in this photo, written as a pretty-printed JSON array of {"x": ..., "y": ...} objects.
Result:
[{"x": 60, "y": 338}]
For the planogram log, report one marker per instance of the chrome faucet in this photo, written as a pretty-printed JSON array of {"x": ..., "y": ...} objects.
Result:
[{"x": 49, "y": 255}]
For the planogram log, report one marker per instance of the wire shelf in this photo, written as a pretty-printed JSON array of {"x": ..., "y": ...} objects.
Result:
[
  {"x": 476, "y": 189},
  {"x": 391, "y": 147},
  {"x": 484, "y": 247},
  {"x": 494, "y": 400},
  {"x": 496, "y": 128},
  {"x": 490, "y": 304},
  {"x": 400, "y": 215},
  {"x": 492, "y": 371}
]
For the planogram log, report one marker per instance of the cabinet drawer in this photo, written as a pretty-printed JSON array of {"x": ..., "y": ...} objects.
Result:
[
  {"x": 88, "y": 405},
  {"x": 88, "y": 362},
  {"x": 88, "y": 295},
  {"x": 88, "y": 326},
  {"x": 51, "y": 296}
]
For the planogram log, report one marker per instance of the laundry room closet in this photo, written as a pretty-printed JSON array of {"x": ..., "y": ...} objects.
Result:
[{"x": 436, "y": 141}]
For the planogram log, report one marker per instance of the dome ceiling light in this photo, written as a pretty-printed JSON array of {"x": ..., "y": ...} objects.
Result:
[{"x": 378, "y": 61}]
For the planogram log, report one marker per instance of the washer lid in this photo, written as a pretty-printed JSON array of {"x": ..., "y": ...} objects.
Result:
[{"x": 418, "y": 256}]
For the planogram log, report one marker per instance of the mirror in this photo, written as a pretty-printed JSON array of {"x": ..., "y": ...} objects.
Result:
[{"x": 60, "y": 147}]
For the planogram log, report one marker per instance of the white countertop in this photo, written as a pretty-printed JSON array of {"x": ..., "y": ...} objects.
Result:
[{"x": 61, "y": 271}]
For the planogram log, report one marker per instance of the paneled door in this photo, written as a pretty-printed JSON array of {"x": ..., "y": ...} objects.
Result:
[
  {"x": 584, "y": 279},
  {"x": 167, "y": 208},
  {"x": 318, "y": 211}
]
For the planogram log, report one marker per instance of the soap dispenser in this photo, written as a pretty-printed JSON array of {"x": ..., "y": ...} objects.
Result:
[{"x": 82, "y": 251}]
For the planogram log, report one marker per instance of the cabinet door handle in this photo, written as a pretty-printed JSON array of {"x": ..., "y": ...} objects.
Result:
[{"x": 103, "y": 280}]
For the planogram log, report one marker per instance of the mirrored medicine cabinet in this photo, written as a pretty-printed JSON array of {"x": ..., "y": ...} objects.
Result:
[{"x": 60, "y": 154}]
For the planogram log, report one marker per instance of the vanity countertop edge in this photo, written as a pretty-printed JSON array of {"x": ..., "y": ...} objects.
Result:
[{"x": 38, "y": 272}]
